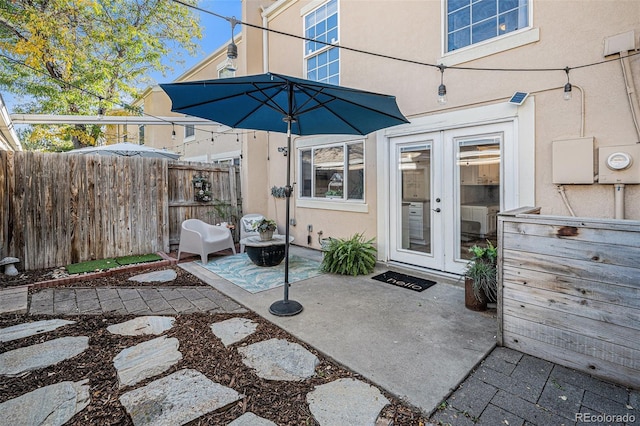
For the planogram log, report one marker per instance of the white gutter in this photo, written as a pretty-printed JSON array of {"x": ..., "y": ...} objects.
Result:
[
  {"x": 8, "y": 135},
  {"x": 107, "y": 119},
  {"x": 265, "y": 41}
]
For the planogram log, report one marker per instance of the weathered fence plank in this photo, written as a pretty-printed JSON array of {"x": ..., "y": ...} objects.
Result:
[
  {"x": 225, "y": 205},
  {"x": 61, "y": 208},
  {"x": 569, "y": 292},
  {"x": 610, "y": 369}
]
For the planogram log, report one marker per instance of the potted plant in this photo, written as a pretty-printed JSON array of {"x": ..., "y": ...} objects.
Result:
[
  {"x": 266, "y": 228},
  {"x": 481, "y": 280},
  {"x": 332, "y": 193},
  {"x": 351, "y": 256}
]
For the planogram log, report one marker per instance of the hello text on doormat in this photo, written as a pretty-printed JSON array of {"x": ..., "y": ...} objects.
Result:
[{"x": 404, "y": 281}]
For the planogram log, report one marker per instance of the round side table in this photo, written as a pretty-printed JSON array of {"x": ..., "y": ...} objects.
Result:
[{"x": 265, "y": 253}]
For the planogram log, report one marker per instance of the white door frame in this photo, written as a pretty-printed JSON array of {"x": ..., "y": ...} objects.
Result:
[
  {"x": 432, "y": 259},
  {"x": 518, "y": 160}
]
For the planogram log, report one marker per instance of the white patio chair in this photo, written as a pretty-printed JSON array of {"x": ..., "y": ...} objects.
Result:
[{"x": 199, "y": 237}]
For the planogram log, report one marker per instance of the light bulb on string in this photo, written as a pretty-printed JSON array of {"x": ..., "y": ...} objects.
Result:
[
  {"x": 100, "y": 108},
  {"x": 173, "y": 132},
  {"x": 567, "y": 87},
  {"x": 232, "y": 50},
  {"x": 442, "y": 89}
]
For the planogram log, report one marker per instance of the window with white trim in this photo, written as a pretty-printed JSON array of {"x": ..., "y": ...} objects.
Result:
[
  {"x": 322, "y": 61},
  {"x": 334, "y": 172},
  {"x": 189, "y": 131},
  {"x": 473, "y": 21}
]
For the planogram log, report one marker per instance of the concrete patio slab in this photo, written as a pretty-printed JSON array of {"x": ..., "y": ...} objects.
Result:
[{"x": 419, "y": 346}]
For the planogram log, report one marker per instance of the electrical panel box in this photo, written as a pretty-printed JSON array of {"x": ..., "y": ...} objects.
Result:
[
  {"x": 573, "y": 161},
  {"x": 619, "y": 164},
  {"x": 620, "y": 43}
]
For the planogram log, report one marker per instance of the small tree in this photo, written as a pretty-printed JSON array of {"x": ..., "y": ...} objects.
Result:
[{"x": 72, "y": 57}]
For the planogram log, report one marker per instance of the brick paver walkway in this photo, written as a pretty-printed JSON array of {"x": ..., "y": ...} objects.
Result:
[{"x": 131, "y": 300}]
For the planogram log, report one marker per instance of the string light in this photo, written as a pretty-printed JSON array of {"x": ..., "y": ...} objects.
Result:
[
  {"x": 232, "y": 52},
  {"x": 232, "y": 49},
  {"x": 173, "y": 132},
  {"x": 442, "y": 89},
  {"x": 567, "y": 87},
  {"x": 100, "y": 108}
]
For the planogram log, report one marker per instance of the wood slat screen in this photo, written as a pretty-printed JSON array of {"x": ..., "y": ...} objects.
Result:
[{"x": 570, "y": 292}]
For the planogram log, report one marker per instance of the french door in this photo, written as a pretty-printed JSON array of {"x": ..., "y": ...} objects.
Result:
[{"x": 445, "y": 193}]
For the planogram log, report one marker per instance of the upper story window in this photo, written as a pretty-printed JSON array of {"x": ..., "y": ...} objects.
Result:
[
  {"x": 333, "y": 172},
  {"x": 322, "y": 61},
  {"x": 189, "y": 131},
  {"x": 473, "y": 21}
]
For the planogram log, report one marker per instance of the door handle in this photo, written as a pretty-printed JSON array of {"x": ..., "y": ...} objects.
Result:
[{"x": 437, "y": 210}]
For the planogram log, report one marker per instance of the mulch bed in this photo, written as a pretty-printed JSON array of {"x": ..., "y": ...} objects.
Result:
[{"x": 282, "y": 402}]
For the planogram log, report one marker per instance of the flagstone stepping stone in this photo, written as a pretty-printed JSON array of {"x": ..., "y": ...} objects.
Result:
[
  {"x": 278, "y": 359},
  {"x": 146, "y": 359},
  {"x": 142, "y": 325},
  {"x": 18, "y": 361},
  {"x": 51, "y": 405},
  {"x": 346, "y": 402},
  {"x": 31, "y": 328},
  {"x": 14, "y": 300},
  {"x": 250, "y": 419},
  {"x": 233, "y": 330},
  {"x": 176, "y": 399},
  {"x": 155, "y": 276}
]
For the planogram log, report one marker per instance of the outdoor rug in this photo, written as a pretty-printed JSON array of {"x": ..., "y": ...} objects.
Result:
[
  {"x": 242, "y": 272},
  {"x": 404, "y": 281}
]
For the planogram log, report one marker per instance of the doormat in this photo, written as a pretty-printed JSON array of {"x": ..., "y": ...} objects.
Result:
[{"x": 404, "y": 281}]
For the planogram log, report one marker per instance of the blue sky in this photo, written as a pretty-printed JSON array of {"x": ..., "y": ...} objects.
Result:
[{"x": 215, "y": 31}]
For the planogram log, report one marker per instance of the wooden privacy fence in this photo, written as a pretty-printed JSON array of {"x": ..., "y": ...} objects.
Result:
[
  {"x": 570, "y": 292},
  {"x": 225, "y": 204},
  {"x": 58, "y": 209}
]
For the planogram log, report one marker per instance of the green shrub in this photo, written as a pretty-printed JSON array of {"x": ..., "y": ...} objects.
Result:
[
  {"x": 483, "y": 270},
  {"x": 353, "y": 256}
]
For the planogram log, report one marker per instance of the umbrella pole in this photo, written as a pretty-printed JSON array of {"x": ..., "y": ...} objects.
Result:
[{"x": 286, "y": 307}]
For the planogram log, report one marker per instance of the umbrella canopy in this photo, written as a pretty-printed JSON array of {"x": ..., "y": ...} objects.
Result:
[
  {"x": 126, "y": 149},
  {"x": 260, "y": 102},
  {"x": 279, "y": 103}
]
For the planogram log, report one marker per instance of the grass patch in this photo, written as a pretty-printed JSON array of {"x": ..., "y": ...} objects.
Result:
[
  {"x": 92, "y": 265},
  {"x": 104, "y": 264},
  {"x": 130, "y": 260}
]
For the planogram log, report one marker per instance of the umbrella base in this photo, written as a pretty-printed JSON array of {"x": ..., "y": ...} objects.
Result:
[{"x": 285, "y": 308}]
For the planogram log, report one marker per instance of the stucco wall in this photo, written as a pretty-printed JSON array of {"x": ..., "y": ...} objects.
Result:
[{"x": 570, "y": 34}]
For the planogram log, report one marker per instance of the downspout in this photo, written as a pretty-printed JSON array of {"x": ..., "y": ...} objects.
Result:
[
  {"x": 265, "y": 41},
  {"x": 631, "y": 94}
]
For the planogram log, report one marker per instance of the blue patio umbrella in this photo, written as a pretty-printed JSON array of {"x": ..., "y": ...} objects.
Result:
[{"x": 279, "y": 103}]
